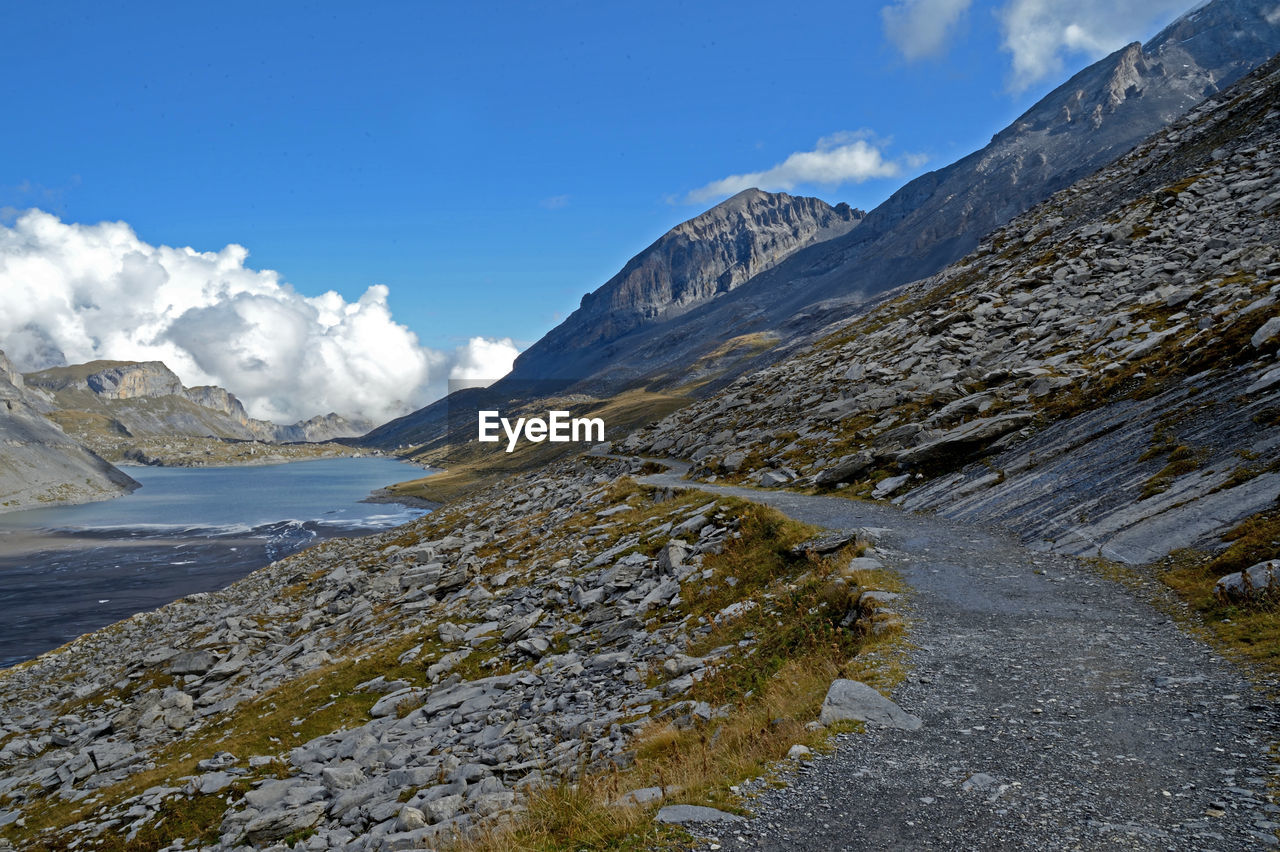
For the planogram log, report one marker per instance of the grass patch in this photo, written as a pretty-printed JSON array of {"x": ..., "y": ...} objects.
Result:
[
  {"x": 1248, "y": 631},
  {"x": 1182, "y": 460}
]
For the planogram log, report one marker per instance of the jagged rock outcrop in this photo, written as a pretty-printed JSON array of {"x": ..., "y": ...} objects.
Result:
[
  {"x": 221, "y": 399},
  {"x": 39, "y": 464},
  {"x": 110, "y": 379},
  {"x": 1100, "y": 375}
]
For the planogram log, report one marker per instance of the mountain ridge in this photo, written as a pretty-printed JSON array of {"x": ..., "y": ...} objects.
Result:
[
  {"x": 101, "y": 386},
  {"x": 1096, "y": 115}
]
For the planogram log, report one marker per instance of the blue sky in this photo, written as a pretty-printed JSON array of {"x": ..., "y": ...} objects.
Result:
[{"x": 491, "y": 162}]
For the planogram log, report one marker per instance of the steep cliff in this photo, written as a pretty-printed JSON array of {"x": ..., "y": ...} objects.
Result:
[
  {"x": 693, "y": 263},
  {"x": 39, "y": 464}
]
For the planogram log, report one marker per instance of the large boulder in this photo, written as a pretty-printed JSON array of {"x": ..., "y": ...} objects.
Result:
[
  {"x": 965, "y": 438},
  {"x": 846, "y": 469},
  {"x": 1257, "y": 581},
  {"x": 854, "y": 701},
  {"x": 685, "y": 814}
]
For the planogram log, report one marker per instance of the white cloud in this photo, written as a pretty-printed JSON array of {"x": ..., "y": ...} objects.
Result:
[
  {"x": 1040, "y": 34},
  {"x": 920, "y": 28},
  {"x": 837, "y": 159},
  {"x": 483, "y": 360},
  {"x": 71, "y": 293},
  {"x": 554, "y": 202}
]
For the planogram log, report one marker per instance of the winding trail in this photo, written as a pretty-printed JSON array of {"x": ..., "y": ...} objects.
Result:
[{"x": 1080, "y": 715}]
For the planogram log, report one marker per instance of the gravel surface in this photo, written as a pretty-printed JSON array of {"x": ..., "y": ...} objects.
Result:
[{"x": 1061, "y": 710}]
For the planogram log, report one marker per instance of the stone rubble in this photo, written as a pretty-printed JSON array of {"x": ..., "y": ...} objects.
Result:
[{"x": 530, "y": 643}]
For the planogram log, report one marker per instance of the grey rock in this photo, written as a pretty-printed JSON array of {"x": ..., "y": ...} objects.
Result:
[
  {"x": 851, "y": 700},
  {"x": 693, "y": 814},
  {"x": 1257, "y": 581},
  {"x": 193, "y": 662},
  {"x": 846, "y": 469},
  {"x": 277, "y": 824},
  {"x": 1269, "y": 330},
  {"x": 889, "y": 485}
]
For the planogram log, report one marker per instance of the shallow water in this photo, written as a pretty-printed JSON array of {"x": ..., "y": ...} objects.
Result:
[{"x": 67, "y": 570}]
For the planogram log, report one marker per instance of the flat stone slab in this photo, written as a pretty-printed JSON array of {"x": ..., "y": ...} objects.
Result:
[
  {"x": 854, "y": 701},
  {"x": 683, "y": 814}
]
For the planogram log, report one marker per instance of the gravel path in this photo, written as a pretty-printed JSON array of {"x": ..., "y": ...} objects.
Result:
[{"x": 1061, "y": 711}]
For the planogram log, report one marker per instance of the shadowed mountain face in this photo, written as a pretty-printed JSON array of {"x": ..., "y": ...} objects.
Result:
[
  {"x": 662, "y": 313},
  {"x": 691, "y": 264}
]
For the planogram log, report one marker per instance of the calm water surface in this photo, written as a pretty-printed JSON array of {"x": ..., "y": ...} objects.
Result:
[{"x": 67, "y": 570}]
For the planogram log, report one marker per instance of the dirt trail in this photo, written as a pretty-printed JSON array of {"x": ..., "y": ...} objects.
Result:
[{"x": 1061, "y": 711}]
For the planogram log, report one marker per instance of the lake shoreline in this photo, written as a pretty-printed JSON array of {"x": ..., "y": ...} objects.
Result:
[{"x": 69, "y": 570}]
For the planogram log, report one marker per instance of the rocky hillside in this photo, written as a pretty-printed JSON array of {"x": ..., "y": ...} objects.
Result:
[
  {"x": 39, "y": 464},
  {"x": 641, "y": 327},
  {"x": 415, "y": 686},
  {"x": 142, "y": 412},
  {"x": 1100, "y": 375}
]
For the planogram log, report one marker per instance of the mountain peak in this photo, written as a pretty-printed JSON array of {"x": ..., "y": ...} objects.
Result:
[{"x": 694, "y": 262}]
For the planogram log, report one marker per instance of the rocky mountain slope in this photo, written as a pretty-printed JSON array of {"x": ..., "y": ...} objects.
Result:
[
  {"x": 693, "y": 263},
  {"x": 696, "y": 262},
  {"x": 141, "y": 412},
  {"x": 1100, "y": 375},
  {"x": 39, "y": 463},
  {"x": 643, "y": 329},
  {"x": 937, "y": 218}
]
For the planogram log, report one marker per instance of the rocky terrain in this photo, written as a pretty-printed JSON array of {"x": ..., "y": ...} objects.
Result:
[
  {"x": 1100, "y": 375},
  {"x": 62, "y": 427},
  {"x": 398, "y": 690},
  {"x": 597, "y": 652},
  {"x": 39, "y": 464},
  {"x": 146, "y": 399}
]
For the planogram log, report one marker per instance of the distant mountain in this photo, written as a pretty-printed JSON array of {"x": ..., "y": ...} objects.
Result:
[
  {"x": 692, "y": 264},
  {"x": 40, "y": 464},
  {"x": 1096, "y": 116},
  {"x": 146, "y": 399},
  {"x": 666, "y": 313}
]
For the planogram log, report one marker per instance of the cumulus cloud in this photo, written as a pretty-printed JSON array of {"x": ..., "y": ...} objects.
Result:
[
  {"x": 483, "y": 360},
  {"x": 1040, "y": 34},
  {"x": 920, "y": 28},
  {"x": 72, "y": 293},
  {"x": 835, "y": 160}
]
